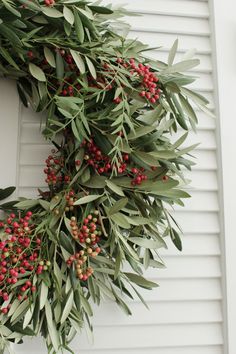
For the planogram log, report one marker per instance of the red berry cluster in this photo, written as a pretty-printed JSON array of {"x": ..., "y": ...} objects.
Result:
[
  {"x": 70, "y": 199},
  {"x": 101, "y": 162},
  {"x": 147, "y": 80},
  {"x": 19, "y": 257},
  {"x": 49, "y": 2},
  {"x": 139, "y": 176},
  {"x": 89, "y": 234},
  {"x": 90, "y": 231},
  {"x": 54, "y": 170},
  {"x": 83, "y": 272}
]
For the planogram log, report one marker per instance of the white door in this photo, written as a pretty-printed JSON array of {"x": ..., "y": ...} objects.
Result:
[{"x": 185, "y": 314}]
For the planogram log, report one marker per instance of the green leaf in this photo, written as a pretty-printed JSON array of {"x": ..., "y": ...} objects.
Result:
[
  {"x": 27, "y": 204},
  {"x": 30, "y": 5},
  {"x": 180, "y": 141},
  {"x": 120, "y": 204},
  {"x": 28, "y": 316},
  {"x": 147, "y": 158},
  {"x": 138, "y": 220},
  {"x": 68, "y": 14},
  {"x": 146, "y": 243},
  {"x": 78, "y": 61},
  {"x": 91, "y": 67},
  {"x": 141, "y": 131},
  {"x": 176, "y": 239},
  {"x": 43, "y": 295},
  {"x": 86, "y": 13},
  {"x": 140, "y": 281},
  {"x": 195, "y": 96},
  {"x": 186, "y": 150},
  {"x": 44, "y": 204},
  {"x": 164, "y": 154},
  {"x": 188, "y": 108},
  {"x": 68, "y": 306},
  {"x": 6, "y": 192},
  {"x": 87, "y": 199},
  {"x": 20, "y": 311},
  {"x": 101, "y": 10},
  {"x": 51, "y": 12},
  {"x": 37, "y": 72},
  {"x": 120, "y": 220},
  {"x": 58, "y": 273},
  {"x": 10, "y": 35},
  {"x": 127, "y": 248},
  {"x": 121, "y": 303},
  {"x": 11, "y": 8},
  {"x": 52, "y": 330},
  {"x": 60, "y": 69},
  {"x": 5, "y": 54},
  {"x": 49, "y": 56},
  {"x": 95, "y": 182},
  {"x": 172, "y": 194},
  {"x": 14, "y": 306},
  {"x": 79, "y": 28},
  {"x": 182, "y": 66},
  {"x": 114, "y": 188},
  {"x": 172, "y": 53},
  {"x": 65, "y": 240},
  {"x": 86, "y": 306}
]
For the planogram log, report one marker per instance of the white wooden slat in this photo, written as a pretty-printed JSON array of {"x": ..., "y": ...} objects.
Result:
[
  {"x": 203, "y": 80},
  {"x": 34, "y": 155},
  {"x": 205, "y": 121},
  {"x": 185, "y": 8},
  {"x": 205, "y": 138},
  {"x": 31, "y": 176},
  {"x": 28, "y": 115},
  {"x": 181, "y": 335},
  {"x": 166, "y": 313},
  {"x": 187, "y": 267},
  {"x": 37, "y": 347},
  {"x": 198, "y": 223},
  {"x": 166, "y": 7},
  {"x": 205, "y": 160},
  {"x": 181, "y": 290},
  {"x": 177, "y": 350},
  {"x": 203, "y": 180},
  {"x": 200, "y": 201},
  {"x": 194, "y": 245},
  {"x": 184, "y": 290},
  {"x": 9, "y": 114},
  {"x": 161, "y": 24}
]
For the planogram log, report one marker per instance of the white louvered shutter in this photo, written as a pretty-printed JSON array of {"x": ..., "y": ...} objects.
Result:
[{"x": 185, "y": 314}]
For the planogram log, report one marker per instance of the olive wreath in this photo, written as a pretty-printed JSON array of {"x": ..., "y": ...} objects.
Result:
[{"x": 113, "y": 174}]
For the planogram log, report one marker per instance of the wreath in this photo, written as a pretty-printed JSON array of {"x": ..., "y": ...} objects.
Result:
[{"x": 114, "y": 172}]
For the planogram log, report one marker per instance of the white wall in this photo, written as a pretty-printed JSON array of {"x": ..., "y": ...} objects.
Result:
[{"x": 185, "y": 314}]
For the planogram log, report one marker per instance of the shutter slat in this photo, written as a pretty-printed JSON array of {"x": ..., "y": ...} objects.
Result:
[
  {"x": 181, "y": 335},
  {"x": 175, "y": 312},
  {"x": 169, "y": 8},
  {"x": 177, "y": 350}
]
